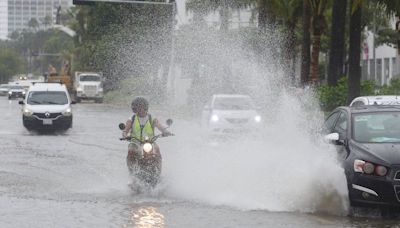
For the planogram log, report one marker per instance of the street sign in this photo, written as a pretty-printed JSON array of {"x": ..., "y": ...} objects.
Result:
[{"x": 91, "y": 2}]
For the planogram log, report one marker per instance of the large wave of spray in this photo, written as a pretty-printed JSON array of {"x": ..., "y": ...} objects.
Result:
[{"x": 285, "y": 167}]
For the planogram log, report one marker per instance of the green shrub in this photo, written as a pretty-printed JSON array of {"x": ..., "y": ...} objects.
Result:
[
  {"x": 334, "y": 96},
  {"x": 392, "y": 89}
]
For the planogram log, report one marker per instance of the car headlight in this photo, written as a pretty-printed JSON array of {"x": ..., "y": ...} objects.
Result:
[
  {"x": 67, "y": 112},
  {"x": 257, "y": 119},
  {"x": 147, "y": 147},
  {"x": 214, "y": 118},
  {"x": 23, "y": 92},
  {"x": 27, "y": 112},
  {"x": 9, "y": 92}
]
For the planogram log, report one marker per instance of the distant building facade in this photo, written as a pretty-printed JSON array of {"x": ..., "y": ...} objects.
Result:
[
  {"x": 15, "y": 14},
  {"x": 384, "y": 67},
  {"x": 3, "y": 19}
]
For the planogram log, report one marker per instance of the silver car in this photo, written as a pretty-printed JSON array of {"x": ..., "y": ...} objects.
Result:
[
  {"x": 4, "y": 88},
  {"x": 230, "y": 113},
  {"x": 16, "y": 91}
]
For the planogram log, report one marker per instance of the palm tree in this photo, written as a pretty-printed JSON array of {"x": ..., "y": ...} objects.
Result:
[
  {"x": 354, "y": 76},
  {"x": 336, "y": 53},
  {"x": 287, "y": 13},
  {"x": 318, "y": 8},
  {"x": 33, "y": 24},
  {"x": 305, "y": 48},
  {"x": 47, "y": 21},
  {"x": 266, "y": 15}
]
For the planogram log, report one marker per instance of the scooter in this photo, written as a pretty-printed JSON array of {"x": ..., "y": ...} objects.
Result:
[{"x": 146, "y": 165}]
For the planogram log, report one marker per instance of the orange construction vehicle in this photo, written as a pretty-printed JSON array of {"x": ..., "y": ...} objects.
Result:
[{"x": 64, "y": 76}]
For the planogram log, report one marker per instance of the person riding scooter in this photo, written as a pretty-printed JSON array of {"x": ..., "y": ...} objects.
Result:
[{"x": 138, "y": 127}]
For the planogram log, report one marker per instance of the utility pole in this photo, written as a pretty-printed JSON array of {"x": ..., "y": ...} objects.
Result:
[{"x": 373, "y": 46}]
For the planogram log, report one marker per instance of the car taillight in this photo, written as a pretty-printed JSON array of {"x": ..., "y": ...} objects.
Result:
[
  {"x": 369, "y": 168},
  {"x": 381, "y": 170}
]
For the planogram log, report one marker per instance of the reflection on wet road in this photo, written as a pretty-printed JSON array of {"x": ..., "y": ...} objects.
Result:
[{"x": 146, "y": 217}]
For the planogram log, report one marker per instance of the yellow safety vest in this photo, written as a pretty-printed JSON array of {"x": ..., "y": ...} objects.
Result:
[{"x": 139, "y": 132}]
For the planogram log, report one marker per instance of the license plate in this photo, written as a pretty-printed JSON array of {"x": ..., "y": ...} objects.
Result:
[{"x": 47, "y": 122}]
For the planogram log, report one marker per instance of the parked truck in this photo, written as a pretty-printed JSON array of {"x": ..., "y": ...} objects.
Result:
[{"x": 89, "y": 86}]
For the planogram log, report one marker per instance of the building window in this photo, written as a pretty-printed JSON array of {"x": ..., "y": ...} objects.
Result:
[
  {"x": 387, "y": 71},
  {"x": 371, "y": 70},
  {"x": 379, "y": 71},
  {"x": 395, "y": 69}
]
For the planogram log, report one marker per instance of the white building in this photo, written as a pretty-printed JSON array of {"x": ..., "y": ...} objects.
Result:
[
  {"x": 387, "y": 62},
  {"x": 3, "y": 19},
  {"x": 15, "y": 14}
]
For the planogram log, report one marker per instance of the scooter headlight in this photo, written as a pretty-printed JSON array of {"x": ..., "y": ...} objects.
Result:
[{"x": 147, "y": 147}]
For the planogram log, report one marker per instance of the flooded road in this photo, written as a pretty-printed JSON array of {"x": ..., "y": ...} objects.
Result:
[{"x": 79, "y": 179}]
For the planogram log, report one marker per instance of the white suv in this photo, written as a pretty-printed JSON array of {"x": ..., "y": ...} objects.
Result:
[
  {"x": 47, "y": 106},
  {"x": 230, "y": 113}
]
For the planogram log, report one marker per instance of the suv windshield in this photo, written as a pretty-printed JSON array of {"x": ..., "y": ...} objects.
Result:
[
  {"x": 233, "y": 103},
  {"x": 89, "y": 78},
  {"x": 16, "y": 87},
  {"x": 381, "y": 127},
  {"x": 47, "y": 97}
]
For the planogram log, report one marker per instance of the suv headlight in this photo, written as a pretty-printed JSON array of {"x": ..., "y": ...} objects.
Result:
[
  {"x": 67, "y": 112},
  {"x": 27, "y": 112}
]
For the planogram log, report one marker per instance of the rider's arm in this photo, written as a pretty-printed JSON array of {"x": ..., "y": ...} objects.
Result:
[
  {"x": 128, "y": 127},
  {"x": 160, "y": 127}
]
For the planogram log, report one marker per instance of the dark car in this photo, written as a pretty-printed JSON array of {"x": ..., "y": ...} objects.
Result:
[{"x": 368, "y": 143}]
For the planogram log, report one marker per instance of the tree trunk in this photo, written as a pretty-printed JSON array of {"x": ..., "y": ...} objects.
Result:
[
  {"x": 336, "y": 53},
  {"x": 290, "y": 53},
  {"x": 305, "y": 49},
  {"x": 266, "y": 16},
  {"x": 262, "y": 16},
  {"x": 354, "y": 55},
  {"x": 224, "y": 15},
  {"x": 316, "y": 44}
]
